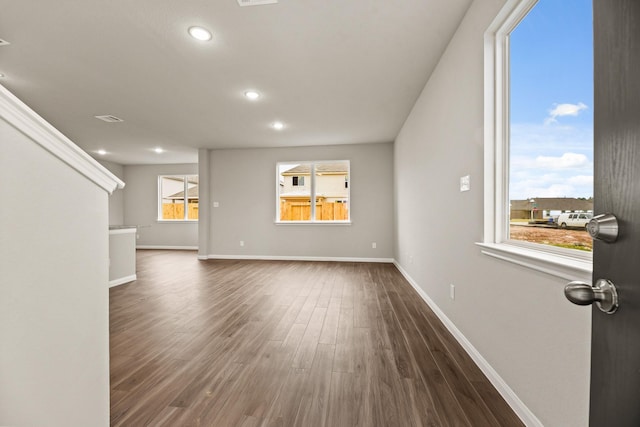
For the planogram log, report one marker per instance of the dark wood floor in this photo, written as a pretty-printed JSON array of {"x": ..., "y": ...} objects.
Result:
[{"x": 273, "y": 343}]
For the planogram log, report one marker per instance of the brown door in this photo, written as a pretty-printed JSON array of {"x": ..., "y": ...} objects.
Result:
[{"x": 615, "y": 353}]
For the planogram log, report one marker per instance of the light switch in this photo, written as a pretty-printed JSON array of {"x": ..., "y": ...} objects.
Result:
[
  {"x": 216, "y": 204},
  {"x": 465, "y": 183}
]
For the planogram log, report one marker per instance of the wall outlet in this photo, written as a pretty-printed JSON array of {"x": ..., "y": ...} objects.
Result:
[
  {"x": 374, "y": 245},
  {"x": 241, "y": 242},
  {"x": 216, "y": 204},
  {"x": 452, "y": 291}
]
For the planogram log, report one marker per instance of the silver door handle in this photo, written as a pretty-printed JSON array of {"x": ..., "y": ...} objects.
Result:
[
  {"x": 603, "y": 293},
  {"x": 603, "y": 227}
]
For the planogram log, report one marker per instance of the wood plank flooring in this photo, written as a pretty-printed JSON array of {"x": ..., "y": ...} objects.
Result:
[{"x": 275, "y": 343}]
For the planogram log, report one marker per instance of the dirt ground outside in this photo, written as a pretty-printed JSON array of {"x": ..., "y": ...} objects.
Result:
[{"x": 566, "y": 238}]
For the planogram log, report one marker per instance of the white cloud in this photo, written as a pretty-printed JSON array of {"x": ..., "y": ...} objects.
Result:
[
  {"x": 533, "y": 181},
  {"x": 550, "y": 185},
  {"x": 524, "y": 191},
  {"x": 581, "y": 180},
  {"x": 566, "y": 161},
  {"x": 550, "y": 163},
  {"x": 555, "y": 190},
  {"x": 562, "y": 110},
  {"x": 532, "y": 139}
]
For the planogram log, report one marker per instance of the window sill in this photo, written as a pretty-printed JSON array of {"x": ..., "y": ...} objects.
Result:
[
  {"x": 312, "y": 222},
  {"x": 561, "y": 266},
  {"x": 177, "y": 221}
]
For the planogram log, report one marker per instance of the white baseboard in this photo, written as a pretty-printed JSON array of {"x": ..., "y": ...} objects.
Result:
[
  {"x": 295, "y": 258},
  {"x": 518, "y": 406},
  {"x": 122, "y": 280},
  {"x": 174, "y": 248}
]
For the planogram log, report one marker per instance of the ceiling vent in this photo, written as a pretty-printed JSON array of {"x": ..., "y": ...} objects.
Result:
[
  {"x": 109, "y": 119},
  {"x": 255, "y": 2},
  {"x": 4, "y": 42}
]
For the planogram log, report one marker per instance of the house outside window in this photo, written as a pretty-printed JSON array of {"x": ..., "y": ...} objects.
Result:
[
  {"x": 298, "y": 183},
  {"x": 178, "y": 198}
]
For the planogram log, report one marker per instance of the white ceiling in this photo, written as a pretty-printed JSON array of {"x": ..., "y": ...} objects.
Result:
[{"x": 334, "y": 71}]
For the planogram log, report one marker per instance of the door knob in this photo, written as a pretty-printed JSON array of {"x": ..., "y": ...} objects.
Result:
[
  {"x": 603, "y": 227},
  {"x": 603, "y": 293}
]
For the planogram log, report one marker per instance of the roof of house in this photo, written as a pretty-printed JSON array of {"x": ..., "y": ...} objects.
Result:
[
  {"x": 552, "y": 203},
  {"x": 305, "y": 168},
  {"x": 192, "y": 179},
  {"x": 192, "y": 193}
]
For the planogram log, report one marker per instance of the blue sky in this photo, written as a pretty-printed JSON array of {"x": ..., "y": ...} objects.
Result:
[{"x": 552, "y": 101}]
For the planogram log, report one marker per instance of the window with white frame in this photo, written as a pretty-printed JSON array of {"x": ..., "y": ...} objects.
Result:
[
  {"x": 178, "y": 198},
  {"x": 539, "y": 134},
  {"x": 325, "y": 182}
]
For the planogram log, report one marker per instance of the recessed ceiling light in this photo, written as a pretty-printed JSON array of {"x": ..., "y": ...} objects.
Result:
[
  {"x": 278, "y": 125},
  {"x": 158, "y": 150},
  {"x": 102, "y": 152},
  {"x": 252, "y": 95},
  {"x": 200, "y": 33}
]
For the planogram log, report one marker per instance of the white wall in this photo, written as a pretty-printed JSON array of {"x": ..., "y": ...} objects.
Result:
[
  {"x": 518, "y": 319},
  {"x": 243, "y": 182},
  {"x": 332, "y": 186},
  {"x": 122, "y": 256},
  {"x": 54, "y": 331},
  {"x": 116, "y": 199},
  {"x": 141, "y": 207}
]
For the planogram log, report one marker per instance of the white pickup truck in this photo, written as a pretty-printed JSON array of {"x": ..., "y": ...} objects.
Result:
[{"x": 577, "y": 220}]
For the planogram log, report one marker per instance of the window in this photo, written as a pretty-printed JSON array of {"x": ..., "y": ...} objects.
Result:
[
  {"x": 325, "y": 182},
  {"x": 539, "y": 135},
  {"x": 551, "y": 123},
  {"x": 178, "y": 198}
]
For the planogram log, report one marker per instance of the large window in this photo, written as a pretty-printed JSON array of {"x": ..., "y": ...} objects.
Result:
[
  {"x": 551, "y": 124},
  {"x": 327, "y": 183},
  {"x": 539, "y": 135},
  {"x": 178, "y": 198}
]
